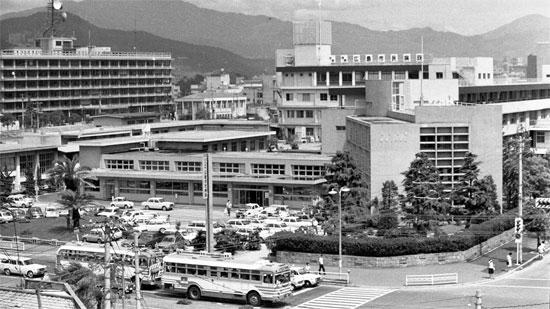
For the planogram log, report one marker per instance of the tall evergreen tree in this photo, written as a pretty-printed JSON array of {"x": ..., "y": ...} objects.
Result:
[{"x": 389, "y": 197}]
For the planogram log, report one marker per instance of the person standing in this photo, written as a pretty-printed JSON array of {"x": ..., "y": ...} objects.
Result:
[
  {"x": 491, "y": 269},
  {"x": 541, "y": 250},
  {"x": 228, "y": 207},
  {"x": 307, "y": 268},
  {"x": 509, "y": 261},
  {"x": 322, "y": 265}
]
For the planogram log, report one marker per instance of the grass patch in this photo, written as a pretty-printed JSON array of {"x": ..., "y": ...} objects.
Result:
[{"x": 44, "y": 228}]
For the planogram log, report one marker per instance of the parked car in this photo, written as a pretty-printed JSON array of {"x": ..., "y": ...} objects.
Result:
[
  {"x": 275, "y": 227},
  {"x": 171, "y": 243},
  {"x": 98, "y": 235},
  {"x": 249, "y": 210},
  {"x": 91, "y": 209},
  {"x": 20, "y": 200},
  {"x": 6, "y": 215},
  {"x": 200, "y": 225},
  {"x": 19, "y": 214},
  {"x": 153, "y": 225},
  {"x": 274, "y": 211},
  {"x": 121, "y": 202},
  {"x": 296, "y": 223},
  {"x": 51, "y": 211},
  {"x": 157, "y": 203},
  {"x": 307, "y": 279},
  {"x": 20, "y": 265},
  {"x": 145, "y": 239},
  {"x": 35, "y": 212},
  {"x": 237, "y": 223},
  {"x": 133, "y": 216},
  {"x": 109, "y": 212}
]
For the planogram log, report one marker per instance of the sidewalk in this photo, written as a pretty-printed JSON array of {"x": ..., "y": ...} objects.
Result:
[{"x": 468, "y": 272}]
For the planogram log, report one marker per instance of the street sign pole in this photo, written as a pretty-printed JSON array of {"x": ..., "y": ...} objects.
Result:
[{"x": 207, "y": 195}]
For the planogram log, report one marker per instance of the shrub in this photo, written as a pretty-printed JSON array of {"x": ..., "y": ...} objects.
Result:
[
  {"x": 394, "y": 245},
  {"x": 388, "y": 221}
]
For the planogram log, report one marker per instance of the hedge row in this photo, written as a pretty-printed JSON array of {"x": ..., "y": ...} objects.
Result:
[{"x": 381, "y": 247}]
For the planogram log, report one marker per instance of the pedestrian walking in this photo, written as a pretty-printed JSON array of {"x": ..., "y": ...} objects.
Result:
[
  {"x": 322, "y": 265},
  {"x": 541, "y": 250},
  {"x": 491, "y": 269},
  {"x": 228, "y": 207},
  {"x": 509, "y": 261}
]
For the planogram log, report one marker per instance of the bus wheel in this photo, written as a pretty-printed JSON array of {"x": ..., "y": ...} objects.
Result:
[
  {"x": 254, "y": 299},
  {"x": 7, "y": 272},
  {"x": 194, "y": 293}
]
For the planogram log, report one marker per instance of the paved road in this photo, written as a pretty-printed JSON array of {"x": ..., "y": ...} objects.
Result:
[{"x": 344, "y": 298}]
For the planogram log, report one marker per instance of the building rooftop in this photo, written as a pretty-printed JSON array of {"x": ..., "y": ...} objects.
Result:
[
  {"x": 128, "y": 115},
  {"x": 378, "y": 120},
  {"x": 198, "y": 136},
  {"x": 214, "y": 95}
]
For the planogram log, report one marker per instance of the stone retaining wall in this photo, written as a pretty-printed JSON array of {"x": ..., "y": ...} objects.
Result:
[{"x": 398, "y": 261}]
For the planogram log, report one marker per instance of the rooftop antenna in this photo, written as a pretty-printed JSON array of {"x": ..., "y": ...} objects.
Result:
[
  {"x": 56, "y": 15},
  {"x": 421, "y": 70},
  {"x": 135, "y": 33},
  {"x": 320, "y": 39}
]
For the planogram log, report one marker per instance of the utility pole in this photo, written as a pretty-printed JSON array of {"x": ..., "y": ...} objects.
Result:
[
  {"x": 107, "y": 273},
  {"x": 136, "y": 273},
  {"x": 519, "y": 241}
]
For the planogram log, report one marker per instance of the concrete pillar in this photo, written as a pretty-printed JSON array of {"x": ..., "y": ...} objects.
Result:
[
  {"x": 328, "y": 79},
  {"x": 17, "y": 181},
  {"x": 314, "y": 79},
  {"x": 340, "y": 78},
  {"x": 353, "y": 78}
]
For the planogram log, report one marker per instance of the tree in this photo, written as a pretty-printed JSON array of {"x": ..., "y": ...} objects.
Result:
[
  {"x": 390, "y": 194},
  {"x": 84, "y": 283},
  {"x": 343, "y": 172},
  {"x": 485, "y": 197},
  {"x": 536, "y": 176},
  {"x": 74, "y": 118},
  {"x": 423, "y": 189},
  {"x": 7, "y": 120},
  {"x": 74, "y": 177},
  {"x": 73, "y": 201},
  {"x": 202, "y": 113},
  {"x": 510, "y": 175}
]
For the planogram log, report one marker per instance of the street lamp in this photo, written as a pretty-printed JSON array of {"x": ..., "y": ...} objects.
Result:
[{"x": 339, "y": 192}]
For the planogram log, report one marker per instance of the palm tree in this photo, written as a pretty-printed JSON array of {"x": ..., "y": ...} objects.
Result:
[
  {"x": 71, "y": 173},
  {"x": 84, "y": 282},
  {"x": 74, "y": 177},
  {"x": 73, "y": 201}
]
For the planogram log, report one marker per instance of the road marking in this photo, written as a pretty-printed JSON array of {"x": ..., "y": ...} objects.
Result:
[
  {"x": 530, "y": 279},
  {"x": 344, "y": 298}
]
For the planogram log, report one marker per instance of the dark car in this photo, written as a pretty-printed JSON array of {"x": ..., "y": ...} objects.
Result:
[
  {"x": 19, "y": 215},
  {"x": 145, "y": 239},
  {"x": 35, "y": 212}
]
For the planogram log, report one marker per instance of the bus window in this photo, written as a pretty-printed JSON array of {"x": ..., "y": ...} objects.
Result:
[
  {"x": 268, "y": 278},
  {"x": 245, "y": 275},
  {"x": 181, "y": 268},
  {"x": 255, "y": 275},
  {"x": 201, "y": 270},
  {"x": 224, "y": 273},
  {"x": 191, "y": 269},
  {"x": 213, "y": 271},
  {"x": 235, "y": 273}
]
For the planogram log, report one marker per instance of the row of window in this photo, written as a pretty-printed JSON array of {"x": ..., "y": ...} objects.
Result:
[
  {"x": 306, "y": 97},
  {"x": 299, "y": 114},
  {"x": 221, "y": 167},
  {"x": 225, "y": 272},
  {"x": 83, "y": 63}
]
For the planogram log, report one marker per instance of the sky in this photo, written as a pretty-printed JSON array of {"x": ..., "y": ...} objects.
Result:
[{"x": 466, "y": 17}]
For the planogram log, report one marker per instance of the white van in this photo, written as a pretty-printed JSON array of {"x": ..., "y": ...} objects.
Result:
[{"x": 22, "y": 266}]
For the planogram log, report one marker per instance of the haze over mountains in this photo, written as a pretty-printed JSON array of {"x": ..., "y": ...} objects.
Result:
[{"x": 259, "y": 36}]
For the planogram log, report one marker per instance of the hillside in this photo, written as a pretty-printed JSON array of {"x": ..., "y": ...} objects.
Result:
[
  {"x": 260, "y": 36},
  {"x": 189, "y": 58}
]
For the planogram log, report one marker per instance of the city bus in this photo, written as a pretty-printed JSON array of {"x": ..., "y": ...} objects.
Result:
[
  {"x": 221, "y": 276},
  {"x": 93, "y": 256}
]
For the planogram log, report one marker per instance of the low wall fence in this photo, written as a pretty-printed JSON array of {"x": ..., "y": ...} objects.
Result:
[
  {"x": 29, "y": 240},
  {"x": 398, "y": 261}
]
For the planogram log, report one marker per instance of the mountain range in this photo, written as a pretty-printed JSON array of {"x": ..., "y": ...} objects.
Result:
[{"x": 187, "y": 28}]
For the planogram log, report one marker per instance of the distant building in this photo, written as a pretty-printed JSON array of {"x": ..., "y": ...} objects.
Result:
[
  {"x": 212, "y": 105},
  {"x": 538, "y": 64},
  {"x": 123, "y": 119}
]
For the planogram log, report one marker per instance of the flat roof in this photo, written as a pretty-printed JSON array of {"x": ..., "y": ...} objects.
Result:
[
  {"x": 198, "y": 136},
  {"x": 15, "y": 148},
  {"x": 162, "y": 125},
  {"x": 213, "y": 95},
  {"x": 244, "y": 155},
  {"x": 127, "y": 115},
  {"x": 378, "y": 120}
]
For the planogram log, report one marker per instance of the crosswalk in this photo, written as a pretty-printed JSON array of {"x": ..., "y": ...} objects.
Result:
[{"x": 345, "y": 298}]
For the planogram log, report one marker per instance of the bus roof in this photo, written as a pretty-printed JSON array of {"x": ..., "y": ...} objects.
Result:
[
  {"x": 221, "y": 262},
  {"x": 100, "y": 249}
]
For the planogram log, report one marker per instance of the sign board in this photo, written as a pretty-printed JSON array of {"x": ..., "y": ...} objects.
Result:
[
  {"x": 542, "y": 203},
  {"x": 205, "y": 176}
]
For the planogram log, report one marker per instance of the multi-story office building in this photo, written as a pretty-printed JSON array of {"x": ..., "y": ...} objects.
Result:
[
  {"x": 56, "y": 76},
  {"x": 385, "y": 142},
  {"x": 213, "y": 105},
  {"x": 313, "y": 81}
]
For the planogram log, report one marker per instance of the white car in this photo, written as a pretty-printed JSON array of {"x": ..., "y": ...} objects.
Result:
[
  {"x": 129, "y": 215},
  {"x": 23, "y": 265},
  {"x": 109, "y": 212},
  {"x": 275, "y": 227},
  {"x": 200, "y": 225},
  {"x": 274, "y": 211},
  {"x": 6, "y": 216},
  {"x": 157, "y": 203},
  {"x": 237, "y": 223},
  {"x": 295, "y": 222},
  {"x": 121, "y": 202},
  {"x": 300, "y": 277},
  {"x": 20, "y": 200},
  {"x": 249, "y": 210},
  {"x": 153, "y": 226}
]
